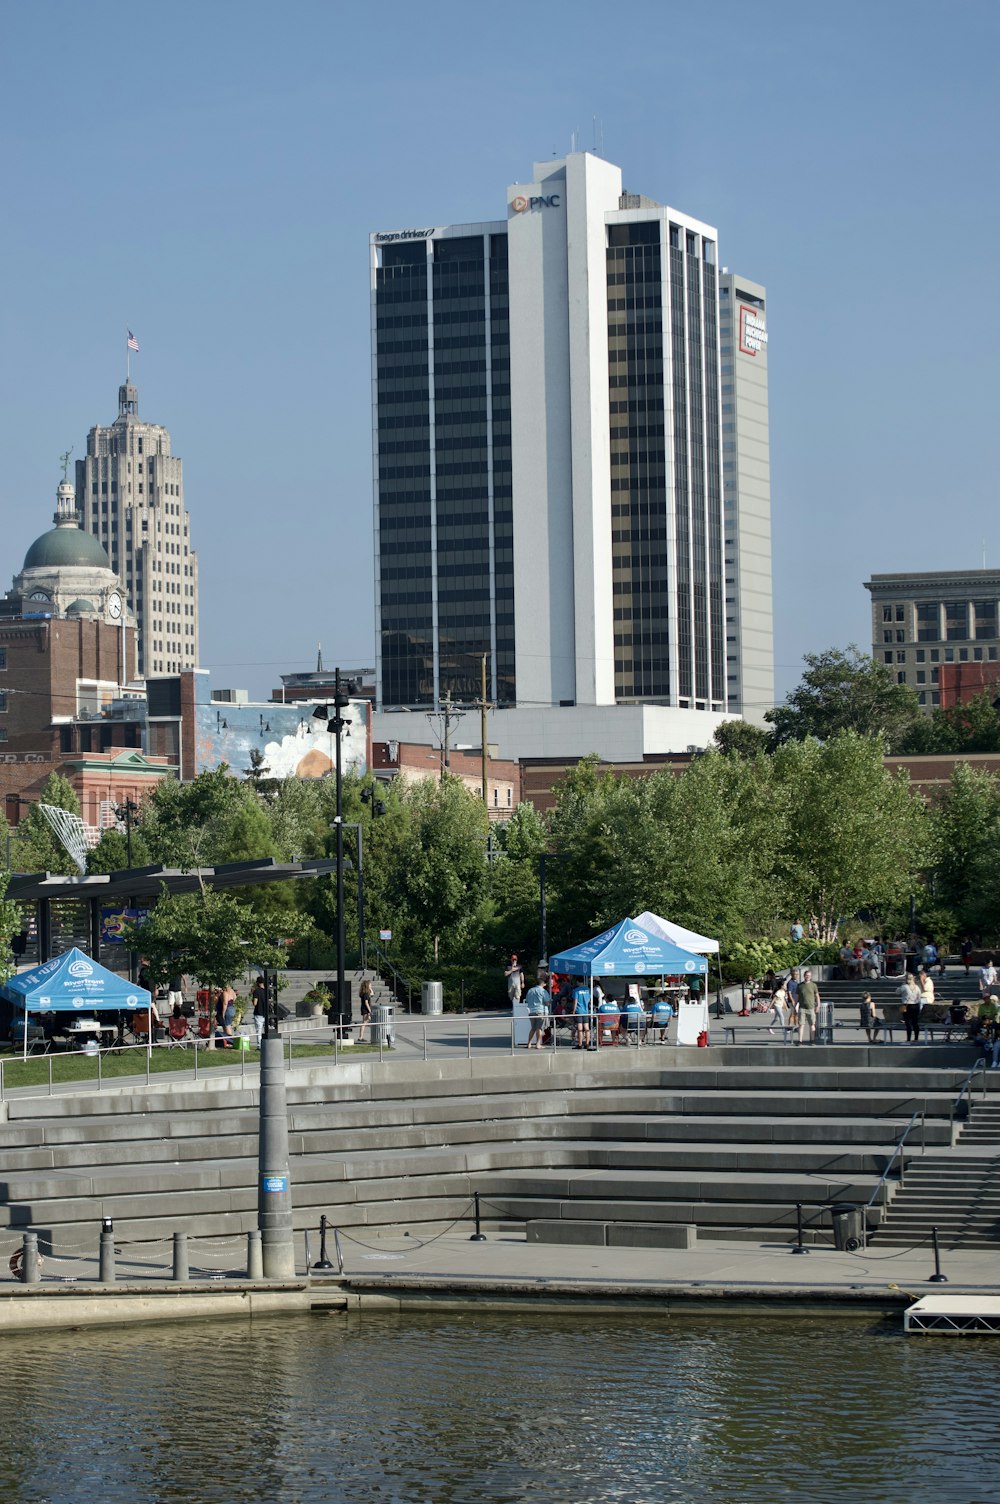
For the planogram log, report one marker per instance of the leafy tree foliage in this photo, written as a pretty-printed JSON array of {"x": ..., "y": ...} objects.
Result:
[
  {"x": 211, "y": 935},
  {"x": 974, "y": 727},
  {"x": 845, "y": 691},
  {"x": 38, "y": 847},
  {"x": 11, "y": 919},
  {"x": 741, "y": 739}
]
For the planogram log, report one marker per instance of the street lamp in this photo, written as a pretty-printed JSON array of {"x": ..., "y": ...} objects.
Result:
[
  {"x": 335, "y": 724},
  {"x": 369, "y": 796},
  {"x": 543, "y": 944},
  {"x": 127, "y": 811}
]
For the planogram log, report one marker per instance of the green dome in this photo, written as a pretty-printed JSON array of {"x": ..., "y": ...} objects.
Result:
[
  {"x": 66, "y": 546},
  {"x": 81, "y": 608}
]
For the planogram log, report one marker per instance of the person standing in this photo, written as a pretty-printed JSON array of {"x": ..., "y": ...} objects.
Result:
[
  {"x": 792, "y": 990},
  {"x": 869, "y": 1017},
  {"x": 779, "y": 1009},
  {"x": 797, "y": 931},
  {"x": 966, "y": 953},
  {"x": 175, "y": 991},
  {"x": 259, "y": 995},
  {"x": 807, "y": 1001},
  {"x": 538, "y": 1001},
  {"x": 909, "y": 1007},
  {"x": 582, "y": 1003},
  {"x": 515, "y": 981},
  {"x": 987, "y": 978}
]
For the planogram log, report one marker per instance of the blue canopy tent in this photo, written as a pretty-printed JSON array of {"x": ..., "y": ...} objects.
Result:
[
  {"x": 628, "y": 950},
  {"x": 72, "y": 983}
]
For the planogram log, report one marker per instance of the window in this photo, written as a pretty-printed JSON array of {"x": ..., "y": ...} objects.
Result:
[
  {"x": 900, "y": 613},
  {"x": 901, "y": 678},
  {"x": 921, "y": 676},
  {"x": 887, "y": 636},
  {"x": 956, "y": 616},
  {"x": 901, "y": 655},
  {"x": 887, "y": 657},
  {"x": 935, "y": 654},
  {"x": 3, "y": 702},
  {"x": 3, "y": 733},
  {"x": 928, "y": 623},
  {"x": 3, "y": 658},
  {"x": 921, "y": 655},
  {"x": 900, "y": 635},
  {"x": 887, "y": 613}
]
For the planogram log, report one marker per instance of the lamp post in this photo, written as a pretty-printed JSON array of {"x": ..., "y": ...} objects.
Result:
[
  {"x": 543, "y": 944},
  {"x": 335, "y": 724},
  {"x": 127, "y": 811},
  {"x": 369, "y": 796}
]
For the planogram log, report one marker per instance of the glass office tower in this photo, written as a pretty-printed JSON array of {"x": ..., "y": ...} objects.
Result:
[{"x": 548, "y": 453}]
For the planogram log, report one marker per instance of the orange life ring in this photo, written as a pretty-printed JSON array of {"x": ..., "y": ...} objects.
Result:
[{"x": 15, "y": 1260}]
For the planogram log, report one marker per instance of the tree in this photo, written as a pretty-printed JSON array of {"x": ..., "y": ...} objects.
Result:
[
  {"x": 513, "y": 881},
  {"x": 40, "y": 849},
  {"x": 972, "y": 727},
  {"x": 741, "y": 739},
  {"x": 965, "y": 823},
  {"x": 212, "y": 935},
  {"x": 856, "y": 837},
  {"x": 435, "y": 892},
  {"x": 845, "y": 691},
  {"x": 11, "y": 920}
]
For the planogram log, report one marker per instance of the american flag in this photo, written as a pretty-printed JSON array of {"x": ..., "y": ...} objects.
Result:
[{"x": 132, "y": 342}]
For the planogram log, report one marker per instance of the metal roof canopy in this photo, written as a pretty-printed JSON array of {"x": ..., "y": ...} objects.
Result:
[{"x": 149, "y": 882}]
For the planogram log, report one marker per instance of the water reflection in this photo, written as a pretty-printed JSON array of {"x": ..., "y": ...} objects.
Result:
[{"x": 496, "y": 1409}]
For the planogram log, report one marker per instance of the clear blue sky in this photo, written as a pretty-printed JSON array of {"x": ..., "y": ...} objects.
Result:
[{"x": 207, "y": 175}]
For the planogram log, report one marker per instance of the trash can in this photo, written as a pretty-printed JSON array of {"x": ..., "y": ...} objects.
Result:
[
  {"x": 848, "y": 1228},
  {"x": 824, "y": 1024},
  {"x": 432, "y": 997},
  {"x": 383, "y": 1029}
]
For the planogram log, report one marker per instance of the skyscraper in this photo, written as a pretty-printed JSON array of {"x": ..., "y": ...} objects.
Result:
[
  {"x": 130, "y": 495},
  {"x": 746, "y": 483},
  {"x": 548, "y": 452}
]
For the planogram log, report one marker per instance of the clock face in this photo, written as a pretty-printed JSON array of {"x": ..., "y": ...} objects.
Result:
[
  {"x": 38, "y": 595},
  {"x": 114, "y": 605}
]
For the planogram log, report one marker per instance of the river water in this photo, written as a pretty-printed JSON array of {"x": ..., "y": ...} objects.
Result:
[{"x": 496, "y": 1409}]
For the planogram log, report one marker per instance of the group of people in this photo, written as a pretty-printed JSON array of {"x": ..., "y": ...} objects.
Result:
[
  {"x": 595, "y": 1016},
  {"x": 795, "y": 1003}
]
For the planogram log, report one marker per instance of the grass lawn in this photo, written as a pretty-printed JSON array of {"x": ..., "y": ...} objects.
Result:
[{"x": 132, "y": 1062}]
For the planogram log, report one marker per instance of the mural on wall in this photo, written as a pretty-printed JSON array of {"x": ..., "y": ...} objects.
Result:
[{"x": 293, "y": 742}]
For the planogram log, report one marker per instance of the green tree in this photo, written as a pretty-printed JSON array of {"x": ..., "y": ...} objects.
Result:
[
  {"x": 11, "y": 920},
  {"x": 845, "y": 691},
  {"x": 857, "y": 837},
  {"x": 39, "y": 848},
  {"x": 965, "y": 824},
  {"x": 741, "y": 739},
  {"x": 435, "y": 891},
  {"x": 513, "y": 884},
  {"x": 973, "y": 727},
  {"x": 212, "y": 935}
]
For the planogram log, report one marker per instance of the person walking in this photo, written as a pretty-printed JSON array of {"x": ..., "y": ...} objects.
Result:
[
  {"x": 538, "y": 1001},
  {"x": 366, "y": 995},
  {"x": 779, "y": 1009},
  {"x": 792, "y": 989},
  {"x": 966, "y": 953},
  {"x": 808, "y": 1001}
]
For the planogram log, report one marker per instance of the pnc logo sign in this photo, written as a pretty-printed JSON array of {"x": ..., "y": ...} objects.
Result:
[{"x": 522, "y": 205}]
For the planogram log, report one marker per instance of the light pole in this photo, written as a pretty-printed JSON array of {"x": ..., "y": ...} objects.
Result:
[
  {"x": 543, "y": 943},
  {"x": 369, "y": 796},
  {"x": 335, "y": 724},
  {"x": 127, "y": 811}
]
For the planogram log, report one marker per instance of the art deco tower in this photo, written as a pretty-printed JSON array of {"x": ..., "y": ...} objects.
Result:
[{"x": 130, "y": 495}]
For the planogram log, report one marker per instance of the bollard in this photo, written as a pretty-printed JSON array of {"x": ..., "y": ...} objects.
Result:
[
  {"x": 322, "y": 1262},
  {"x": 255, "y": 1255},
  {"x": 107, "y": 1275},
  {"x": 29, "y": 1259},
  {"x": 799, "y": 1246},
  {"x": 181, "y": 1268},
  {"x": 937, "y": 1278},
  {"x": 478, "y": 1236}
]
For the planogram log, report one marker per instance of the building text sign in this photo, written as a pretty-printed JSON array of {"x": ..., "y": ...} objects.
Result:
[{"x": 753, "y": 330}]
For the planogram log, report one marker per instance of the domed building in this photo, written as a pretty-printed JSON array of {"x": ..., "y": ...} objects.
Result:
[{"x": 66, "y": 572}]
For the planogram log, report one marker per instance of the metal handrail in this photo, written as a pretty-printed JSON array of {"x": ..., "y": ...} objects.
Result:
[
  {"x": 898, "y": 1153},
  {"x": 401, "y": 983},
  {"x": 966, "y": 1086}
]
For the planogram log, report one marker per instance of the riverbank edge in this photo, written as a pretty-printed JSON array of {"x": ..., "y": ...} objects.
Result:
[{"x": 38, "y": 1309}]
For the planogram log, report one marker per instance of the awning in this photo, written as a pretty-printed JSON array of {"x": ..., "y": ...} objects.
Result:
[
  {"x": 686, "y": 939},
  {"x": 73, "y": 983},
  {"x": 628, "y": 949}
]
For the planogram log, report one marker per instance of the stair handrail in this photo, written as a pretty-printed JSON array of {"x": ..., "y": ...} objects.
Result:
[
  {"x": 401, "y": 983},
  {"x": 966, "y": 1086},
  {"x": 898, "y": 1153}
]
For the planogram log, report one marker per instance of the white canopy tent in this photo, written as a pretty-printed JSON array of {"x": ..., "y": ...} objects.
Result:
[{"x": 701, "y": 945}]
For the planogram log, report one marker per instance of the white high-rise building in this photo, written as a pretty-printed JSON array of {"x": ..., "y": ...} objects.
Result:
[
  {"x": 548, "y": 455},
  {"x": 746, "y": 478},
  {"x": 130, "y": 495}
]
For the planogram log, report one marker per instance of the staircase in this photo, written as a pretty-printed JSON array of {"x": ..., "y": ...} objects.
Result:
[
  {"x": 957, "y": 1192},
  {"x": 729, "y": 1148}
]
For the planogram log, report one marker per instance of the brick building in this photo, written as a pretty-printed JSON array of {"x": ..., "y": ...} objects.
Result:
[{"x": 415, "y": 761}]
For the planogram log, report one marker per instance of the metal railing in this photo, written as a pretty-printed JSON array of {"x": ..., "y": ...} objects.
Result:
[
  {"x": 400, "y": 984},
  {"x": 899, "y": 1152},
  {"x": 966, "y": 1087}
]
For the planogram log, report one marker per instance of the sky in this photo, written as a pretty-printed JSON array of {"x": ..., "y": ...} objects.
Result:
[{"x": 207, "y": 174}]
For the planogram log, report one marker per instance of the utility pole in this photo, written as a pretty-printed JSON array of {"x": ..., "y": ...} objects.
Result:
[{"x": 444, "y": 718}]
